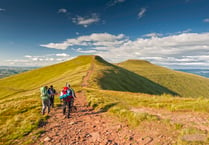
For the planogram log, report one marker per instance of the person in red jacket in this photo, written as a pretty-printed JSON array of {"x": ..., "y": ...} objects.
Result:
[{"x": 67, "y": 97}]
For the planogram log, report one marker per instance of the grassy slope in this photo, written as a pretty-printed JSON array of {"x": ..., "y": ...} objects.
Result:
[
  {"x": 185, "y": 84},
  {"x": 120, "y": 104},
  {"x": 20, "y": 102},
  {"x": 111, "y": 77}
]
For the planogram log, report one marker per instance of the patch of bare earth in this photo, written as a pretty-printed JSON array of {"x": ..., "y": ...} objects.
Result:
[
  {"x": 196, "y": 120},
  {"x": 188, "y": 119}
]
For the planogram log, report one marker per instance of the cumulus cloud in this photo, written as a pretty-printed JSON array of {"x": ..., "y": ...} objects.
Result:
[
  {"x": 86, "y": 21},
  {"x": 62, "y": 10},
  {"x": 141, "y": 12},
  {"x": 185, "y": 49},
  {"x": 206, "y": 20},
  {"x": 95, "y": 39},
  {"x": 43, "y": 60}
]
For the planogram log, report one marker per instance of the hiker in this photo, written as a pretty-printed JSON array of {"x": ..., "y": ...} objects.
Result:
[
  {"x": 45, "y": 99},
  {"x": 67, "y": 95},
  {"x": 51, "y": 92},
  {"x": 73, "y": 94}
]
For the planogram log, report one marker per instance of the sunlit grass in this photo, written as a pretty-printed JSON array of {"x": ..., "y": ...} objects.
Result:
[
  {"x": 120, "y": 104},
  {"x": 131, "y": 100},
  {"x": 184, "y": 84},
  {"x": 20, "y": 102},
  {"x": 111, "y": 77}
]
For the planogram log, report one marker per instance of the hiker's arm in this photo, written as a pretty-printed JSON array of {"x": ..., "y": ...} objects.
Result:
[{"x": 73, "y": 94}]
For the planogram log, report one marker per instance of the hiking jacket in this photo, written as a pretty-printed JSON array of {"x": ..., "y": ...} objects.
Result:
[
  {"x": 51, "y": 91},
  {"x": 44, "y": 93},
  {"x": 66, "y": 95}
]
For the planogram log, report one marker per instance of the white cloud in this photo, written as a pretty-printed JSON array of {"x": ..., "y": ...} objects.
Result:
[
  {"x": 85, "y": 51},
  {"x": 55, "y": 45},
  {"x": 114, "y": 2},
  {"x": 152, "y": 35},
  {"x": 206, "y": 20},
  {"x": 43, "y": 60},
  {"x": 62, "y": 10},
  {"x": 62, "y": 54},
  {"x": 2, "y": 10},
  {"x": 95, "y": 39},
  {"x": 141, "y": 12},
  {"x": 86, "y": 21},
  {"x": 27, "y": 56},
  {"x": 183, "y": 49}
]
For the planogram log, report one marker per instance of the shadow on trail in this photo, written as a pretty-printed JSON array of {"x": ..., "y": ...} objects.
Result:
[
  {"x": 102, "y": 110},
  {"x": 43, "y": 122}
]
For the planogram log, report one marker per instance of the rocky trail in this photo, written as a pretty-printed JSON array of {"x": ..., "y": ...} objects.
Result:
[{"x": 86, "y": 127}]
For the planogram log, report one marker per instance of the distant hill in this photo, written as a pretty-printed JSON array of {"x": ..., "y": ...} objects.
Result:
[
  {"x": 6, "y": 71},
  {"x": 184, "y": 84}
]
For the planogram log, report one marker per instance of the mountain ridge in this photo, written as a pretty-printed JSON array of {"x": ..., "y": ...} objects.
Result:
[{"x": 107, "y": 86}]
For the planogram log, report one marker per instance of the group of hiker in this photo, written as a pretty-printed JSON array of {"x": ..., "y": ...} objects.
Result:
[{"x": 67, "y": 96}]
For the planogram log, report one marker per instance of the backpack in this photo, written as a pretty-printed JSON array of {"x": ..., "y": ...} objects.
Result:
[
  {"x": 44, "y": 94},
  {"x": 66, "y": 95}
]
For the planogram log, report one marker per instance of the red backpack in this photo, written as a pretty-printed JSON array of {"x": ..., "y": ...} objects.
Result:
[{"x": 69, "y": 97}]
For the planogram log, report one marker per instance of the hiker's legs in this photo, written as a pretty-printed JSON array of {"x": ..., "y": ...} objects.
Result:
[
  {"x": 68, "y": 109},
  {"x": 44, "y": 105},
  {"x": 48, "y": 105},
  {"x": 72, "y": 102},
  {"x": 64, "y": 107},
  {"x": 52, "y": 101}
]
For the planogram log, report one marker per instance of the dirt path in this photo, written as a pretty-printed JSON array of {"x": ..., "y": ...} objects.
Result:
[
  {"x": 88, "y": 75},
  {"x": 86, "y": 127}
]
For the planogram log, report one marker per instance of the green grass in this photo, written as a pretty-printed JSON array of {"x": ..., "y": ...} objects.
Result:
[
  {"x": 111, "y": 77},
  {"x": 120, "y": 104},
  {"x": 20, "y": 102},
  {"x": 184, "y": 84},
  {"x": 19, "y": 117},
  {"x": 134, "y": 100}
]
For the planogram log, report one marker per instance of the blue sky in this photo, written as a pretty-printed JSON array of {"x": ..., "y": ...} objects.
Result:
[{"x": 172, "y": 33}]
